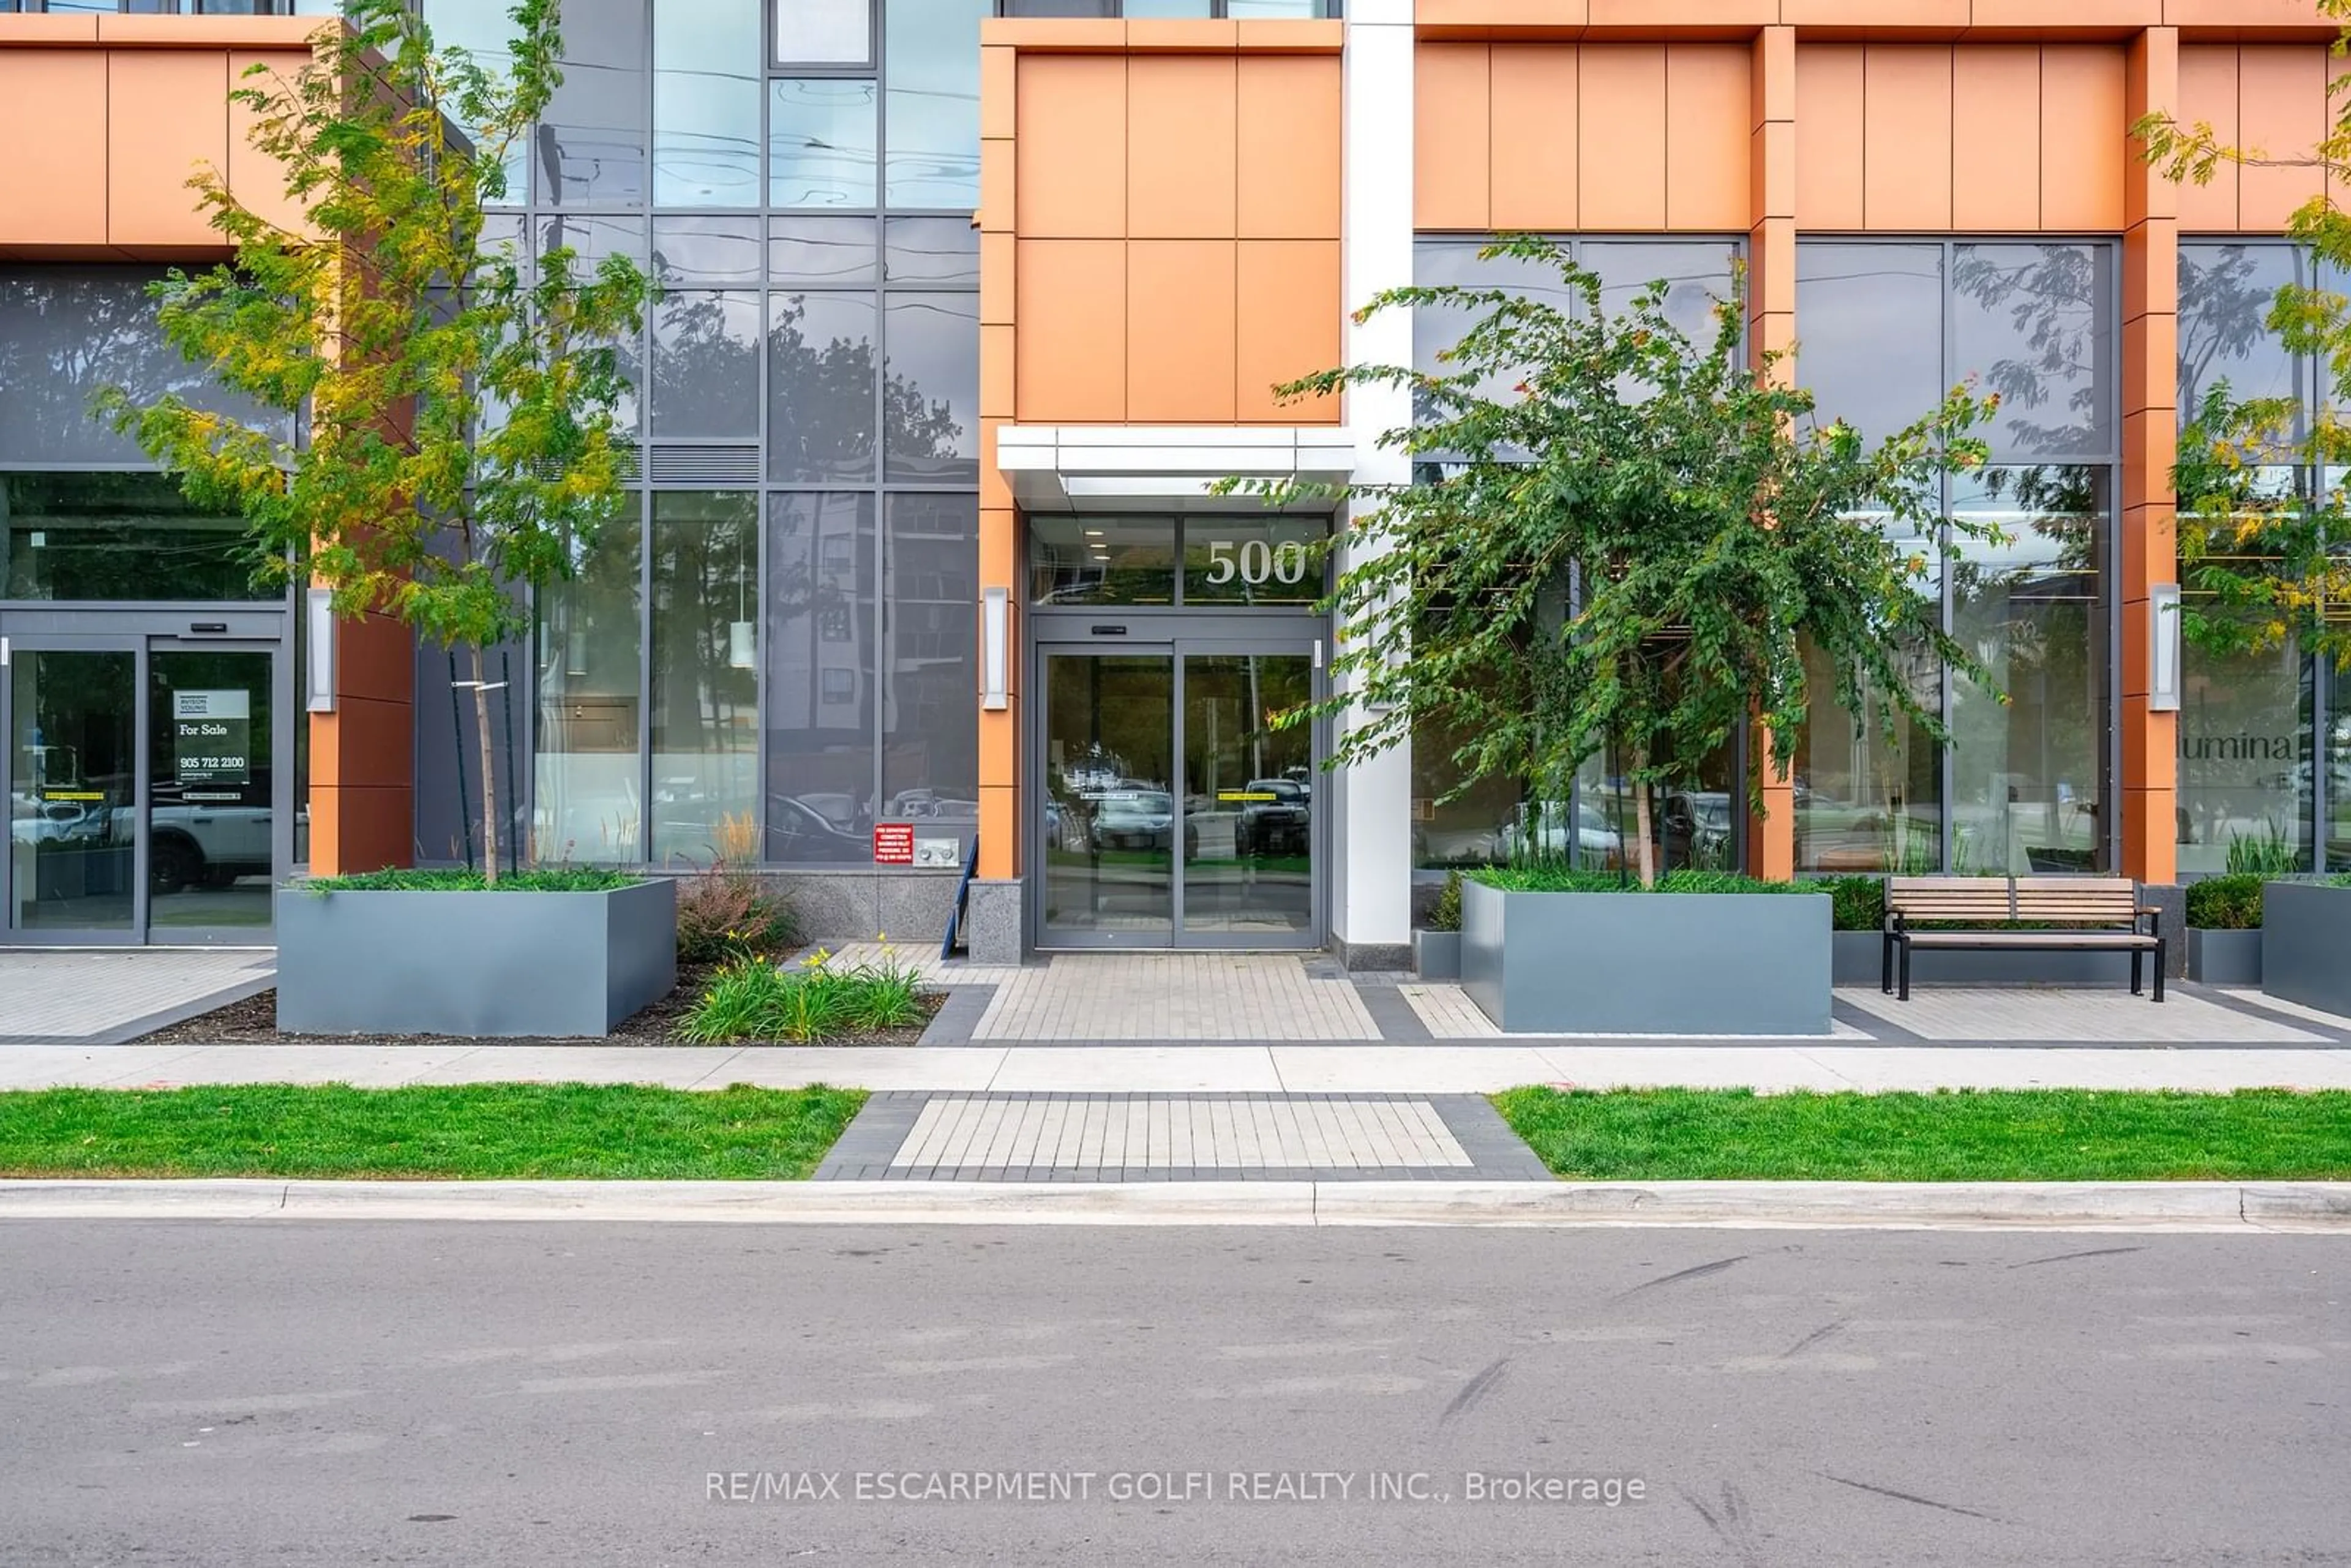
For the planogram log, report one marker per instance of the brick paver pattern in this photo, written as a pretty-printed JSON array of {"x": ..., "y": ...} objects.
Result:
[
  {"x": 979, "y": 1131},
  {"x": 81, "y": 993},
  {"x": 1174, "y": 996}
]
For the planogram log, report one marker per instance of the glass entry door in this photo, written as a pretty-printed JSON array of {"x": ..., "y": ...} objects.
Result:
[
  {"x": 71, "y": 716},
  {"x": 210, "y": 819},
  {"x": 141, "y": 780},
  {"x": 1175, "y": 813}
]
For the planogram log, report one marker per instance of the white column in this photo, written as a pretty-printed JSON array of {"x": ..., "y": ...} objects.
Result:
[{"x": 1371, "y": 891}]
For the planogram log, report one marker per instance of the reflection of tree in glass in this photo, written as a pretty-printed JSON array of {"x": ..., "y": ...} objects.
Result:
[
  {"x": 821, "y": 396},
  {"x": 2224, "y": 306},
  {"x": 2053, "y": 299},
  {"x": 72, "y": 333}
]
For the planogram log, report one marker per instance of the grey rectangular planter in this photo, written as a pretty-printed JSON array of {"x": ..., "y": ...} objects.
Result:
[
  {"x": 2224, "y": 957},
  {"x": 474, "y": 964},
  {"x": 1647, "y": 963},
  {"x": 2306, "y": 944},
  {"x": 1860, "y": 962},
  {"x": 1436, "y": 955}
]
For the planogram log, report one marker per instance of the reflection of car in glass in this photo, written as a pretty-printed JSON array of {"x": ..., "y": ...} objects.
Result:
[
  {"x": 1693, "y": 827},
  {"x": 927, "y": 803},
  {"x": 36, "y": 822},
  {"x": 1277, "y": 826},
  {"x": 797, "y": 833},
  {"x": 1139, "y": 819},
  {"x": 1542, "y": 832},
  {"x": 839, "y": 811}
]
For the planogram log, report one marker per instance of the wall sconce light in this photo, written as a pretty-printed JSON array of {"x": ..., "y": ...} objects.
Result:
[
  {"x": 319, "y": 669},
  {"x": 995, "y": 649},
  {"x": 2163, "y": 679}
]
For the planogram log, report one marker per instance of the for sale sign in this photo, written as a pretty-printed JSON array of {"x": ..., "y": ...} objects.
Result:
[
  {"x": 212, "y": 737},
  {"x": 894, "y": 843}
]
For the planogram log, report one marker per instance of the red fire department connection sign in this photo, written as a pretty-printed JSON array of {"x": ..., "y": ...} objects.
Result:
[{"x": 894, "y": 843}]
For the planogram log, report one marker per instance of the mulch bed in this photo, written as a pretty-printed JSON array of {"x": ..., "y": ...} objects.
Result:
[{"x": 253, "y": 1021}]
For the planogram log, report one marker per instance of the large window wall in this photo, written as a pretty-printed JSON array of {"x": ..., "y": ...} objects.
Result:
[
  {"x": 1883, "y": 329},
  {"x": 1696, "y": 817},
  {"x": 2253, "y": 722},
  {"x": 774, "y": 647}
]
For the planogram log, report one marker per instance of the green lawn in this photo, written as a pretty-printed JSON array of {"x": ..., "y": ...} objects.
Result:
[
  {"x": 478, "y": 1132},
  {"x": 1725, "y": 1135}
]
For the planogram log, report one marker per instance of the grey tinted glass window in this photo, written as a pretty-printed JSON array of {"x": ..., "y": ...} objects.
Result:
[
  {"x": 820, "y": 141},
  {"x": 933, "y": 64},
  {"x": 591, "y": 240},
  {"x": 930, "y": 729},
  {"x": 482, "y": 32},
  {"x": 1869, "y": 334},
  {"x": 820, "y": 387},
  {"x": 824, "y": 32},
  {"x": 931, "y": 401},
  {"x": 931, "y": 250},
  {"x": 1101, "y": 560},
  {"x": 2035, "y": 324},
  {"x": 2029, "y": 773},
  {"x": 821, "y": 250},
  {"x": 820, "y": 644},
  {"x": 590, "y": 150},
  {"x": 65, "y": 332},
  {"x": 707, "y": 250},
  {"x": 1697, "y": 274},
  {"x": 589, "y": 800},
  {"x": 707, "y": 104},
  {"x": 1439, "y": 262},
  {"x": 118, "y": 536},
  {"x": 706, "y": 364},
  {"x": 705, "y": 670},
  {"x": 2225, "y": 295}
]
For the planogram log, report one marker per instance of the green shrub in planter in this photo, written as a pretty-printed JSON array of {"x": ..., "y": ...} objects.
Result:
[
  {"x": 1856, "y": 903},
  {"x": 1445, "y": 915},
  {"x": 2231, "y": 903}
]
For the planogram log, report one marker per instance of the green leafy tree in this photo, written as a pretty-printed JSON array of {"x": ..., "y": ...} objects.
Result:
[
  {"x": 1617, "y": 539},
  {"x": 459, "y": 405},
  {"x": 2268, "y": 562}
]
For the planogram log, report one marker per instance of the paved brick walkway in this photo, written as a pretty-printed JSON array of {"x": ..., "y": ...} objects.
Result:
[
  {"x": 1178, "y": 1137},
  {"x": 1156, "y": 995},
  {"x": 89, "y": 997}
]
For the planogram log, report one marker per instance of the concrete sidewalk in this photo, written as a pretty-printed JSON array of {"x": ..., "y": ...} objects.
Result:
[
  {"x": 1249, "y": 1069},
  {"x": 2207, "y": 1207}
]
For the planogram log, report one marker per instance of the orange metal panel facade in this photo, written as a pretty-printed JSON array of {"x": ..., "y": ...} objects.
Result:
[{"x": 1534, "y": 134}]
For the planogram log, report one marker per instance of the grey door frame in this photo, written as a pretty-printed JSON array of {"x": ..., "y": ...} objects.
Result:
[
  {"x": 1175, "y": 636},
  {"x": 142, "y": 632}
]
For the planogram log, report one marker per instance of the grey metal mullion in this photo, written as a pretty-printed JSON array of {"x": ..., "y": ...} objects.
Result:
[
  {"x": 141, "y": 790},
  {"x": 644, "y": 673},
  {"x": 7, "y": 782},
  {"x": 1177, "y": 872},
  {"x": 1946, "y": 766}
]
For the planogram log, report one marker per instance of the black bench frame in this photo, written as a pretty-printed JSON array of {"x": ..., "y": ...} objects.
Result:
[{"x": 1897, "y": 934}]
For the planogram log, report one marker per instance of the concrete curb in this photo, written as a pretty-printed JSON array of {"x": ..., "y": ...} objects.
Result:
[{"x": 2318, "y": 1206}]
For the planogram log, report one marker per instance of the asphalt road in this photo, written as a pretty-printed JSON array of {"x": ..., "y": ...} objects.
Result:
[{"x": 367, "y": 1393}]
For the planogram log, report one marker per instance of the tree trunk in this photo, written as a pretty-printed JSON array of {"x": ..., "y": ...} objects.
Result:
[
  {"x": 1645, "y": 849},
  {"x": 489, "y": 774}
]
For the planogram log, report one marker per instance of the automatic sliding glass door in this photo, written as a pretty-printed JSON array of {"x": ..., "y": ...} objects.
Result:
[
  {"x": 1107, "y": 847},
  {"x": 1248, "y": 793},
  {"x": 1174, "y": 813}
]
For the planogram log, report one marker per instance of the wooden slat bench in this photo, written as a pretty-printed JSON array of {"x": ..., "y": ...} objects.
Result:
[{"x": 2090, "y": 913}]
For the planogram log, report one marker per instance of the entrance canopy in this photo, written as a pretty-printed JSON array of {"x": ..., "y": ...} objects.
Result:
[{"x": 1164, "y": 468}]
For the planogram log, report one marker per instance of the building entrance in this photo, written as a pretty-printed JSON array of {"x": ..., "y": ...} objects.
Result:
[
  {"x": 148, "y": 781},
  {"x": 1175, "y": 813}
]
